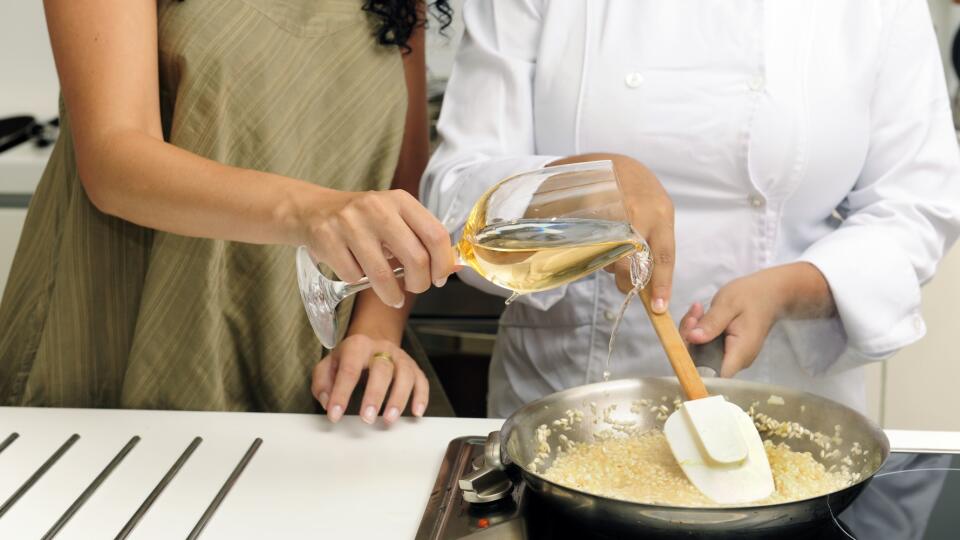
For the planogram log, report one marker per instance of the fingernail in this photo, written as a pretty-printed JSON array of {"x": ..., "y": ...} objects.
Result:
[
  {"x": 369, "y": 414},
  {"x": 399, "y": 304},
  {"x": 440, "y": 282},
  {"x": 697, "y": 333},
  {"x": 322, "y": 398},
  {"x": 391, "y": 415},
  {"x": 418, "y": 409},
  {"x": 335, "y": 413},
  {"x": 659, "y": 305}
]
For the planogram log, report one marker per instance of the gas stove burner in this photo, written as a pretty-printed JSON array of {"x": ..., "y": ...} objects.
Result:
[{"x": 488, "y": 482}]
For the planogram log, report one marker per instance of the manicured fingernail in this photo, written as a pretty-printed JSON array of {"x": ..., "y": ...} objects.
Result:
[
  {"x": 369, "y": 414},
  {"x": 440, "y": 282},
  {"x": 418, "y": 409},
  {"x": 322, "y": 398},
  {"x": 659, "y": 305},
  {"x": 335, "y": 413},
  {"x": 391, "y": 415},
  {"x": 399, "y": 304}
]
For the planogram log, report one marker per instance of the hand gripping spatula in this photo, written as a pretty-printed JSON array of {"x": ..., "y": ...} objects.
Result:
[{"x": 713, "y": 440}]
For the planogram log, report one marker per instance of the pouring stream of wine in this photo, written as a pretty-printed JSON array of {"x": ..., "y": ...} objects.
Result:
[{"x": 636, "y": 278}]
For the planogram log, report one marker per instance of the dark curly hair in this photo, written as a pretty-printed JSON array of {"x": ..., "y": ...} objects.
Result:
[{"x": 399, "y": 18}]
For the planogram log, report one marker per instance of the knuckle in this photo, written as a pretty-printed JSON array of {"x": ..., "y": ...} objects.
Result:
[
  {"x": 369, "y": 201},
  {"x": 350, "y": 370},
  {"x": 343, "y": 225},
  {"x": 437, "y": 235},
  {"x": 380, "y": 273},
  {"x": 665, "y": 213},
  {"x": 721, "y": 299},
  {"x": 400, "y": 195},
  {"x": 325, "y": 235},
  {"x": 420, "y": 258},
  {"x": 662, "y": 258}
]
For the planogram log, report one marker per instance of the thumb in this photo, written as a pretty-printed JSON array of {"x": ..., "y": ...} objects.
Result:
[
  {"x": 712, "y": 324},
  {"x": 689, "y": 321}
]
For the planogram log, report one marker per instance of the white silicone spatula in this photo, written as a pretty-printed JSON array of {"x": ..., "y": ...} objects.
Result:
[{"x": 713, "y": 440}]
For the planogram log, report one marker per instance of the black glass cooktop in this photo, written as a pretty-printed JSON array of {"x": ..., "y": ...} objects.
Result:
[{"x": 913, "y": 497}]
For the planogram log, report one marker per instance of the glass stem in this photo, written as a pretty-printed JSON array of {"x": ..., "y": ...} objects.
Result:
[{"x": 342, "y": 289}]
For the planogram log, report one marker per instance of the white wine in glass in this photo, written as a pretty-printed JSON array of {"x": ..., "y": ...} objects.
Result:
[{"x": 530, "y": 232}]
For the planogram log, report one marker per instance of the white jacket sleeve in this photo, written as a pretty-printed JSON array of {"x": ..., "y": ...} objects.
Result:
[
  {"x": 486, "y": 125},
  {"x": 904, "y": 210}
]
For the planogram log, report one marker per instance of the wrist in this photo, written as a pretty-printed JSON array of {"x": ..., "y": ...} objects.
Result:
[
  {"x": 301, "y": 206},
  {"x": 802, "y": 290},
  {"x": 376, "y": 320},
  {"x": 392, "y": 334}
]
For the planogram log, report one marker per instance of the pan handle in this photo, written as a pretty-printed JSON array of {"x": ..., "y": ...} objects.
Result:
[
  {"x": 492, "y": 453},
  {"x": 708, "y": 357}
]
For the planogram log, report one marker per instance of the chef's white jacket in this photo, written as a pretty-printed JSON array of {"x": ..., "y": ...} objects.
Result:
[{"x": 783, "y": 130}]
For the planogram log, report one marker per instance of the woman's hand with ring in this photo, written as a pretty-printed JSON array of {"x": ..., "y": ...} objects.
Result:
[{"x": 388, "y": 368}]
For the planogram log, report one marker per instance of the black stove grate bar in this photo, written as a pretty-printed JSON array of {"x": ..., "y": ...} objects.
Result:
[
  {"x": 37, "y": 474},
  {"x": 231, "y": 480},
  {"x": 152, "y": 497},
  {"x": 8, "y": 441},
  {"x": 87, "y": 493}
]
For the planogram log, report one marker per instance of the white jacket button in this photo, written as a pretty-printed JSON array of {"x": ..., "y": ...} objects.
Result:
[{"x": 633, "y": 79}]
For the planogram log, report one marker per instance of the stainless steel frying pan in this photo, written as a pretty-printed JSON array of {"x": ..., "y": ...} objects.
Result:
[{"x": 515, "y": 446}]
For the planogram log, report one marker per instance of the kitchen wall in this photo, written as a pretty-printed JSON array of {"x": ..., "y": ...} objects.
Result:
[
  {"x": 29, "y": 80},
  {"x": 916, "y": 389},
  {"x": 946, "y": 18},
  {"x": 28, "y": 85}
]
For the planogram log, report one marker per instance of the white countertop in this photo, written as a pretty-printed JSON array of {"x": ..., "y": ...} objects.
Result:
[{"x": 309, "y": 478}]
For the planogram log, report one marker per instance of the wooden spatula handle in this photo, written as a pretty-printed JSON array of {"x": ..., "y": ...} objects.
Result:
[{"x": 676, "y": 351}]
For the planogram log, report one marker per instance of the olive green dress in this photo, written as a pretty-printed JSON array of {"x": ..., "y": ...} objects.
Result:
[{"x": 99, "y": 312}]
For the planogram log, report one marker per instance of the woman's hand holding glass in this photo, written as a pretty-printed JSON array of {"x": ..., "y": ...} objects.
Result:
[{"x": 357, "y": 234}]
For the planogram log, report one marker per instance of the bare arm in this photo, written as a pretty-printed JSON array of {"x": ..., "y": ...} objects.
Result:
[{"x": 106, "y": 55}]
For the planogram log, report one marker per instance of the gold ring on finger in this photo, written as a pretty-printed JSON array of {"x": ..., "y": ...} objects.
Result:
[{"x": 383, "y": 356}]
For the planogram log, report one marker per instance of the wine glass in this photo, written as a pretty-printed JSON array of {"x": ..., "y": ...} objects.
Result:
[{"x": 530, "y": 232}]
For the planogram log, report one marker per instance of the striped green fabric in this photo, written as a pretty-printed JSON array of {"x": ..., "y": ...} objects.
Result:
[{"x": 99, "y": 312}]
